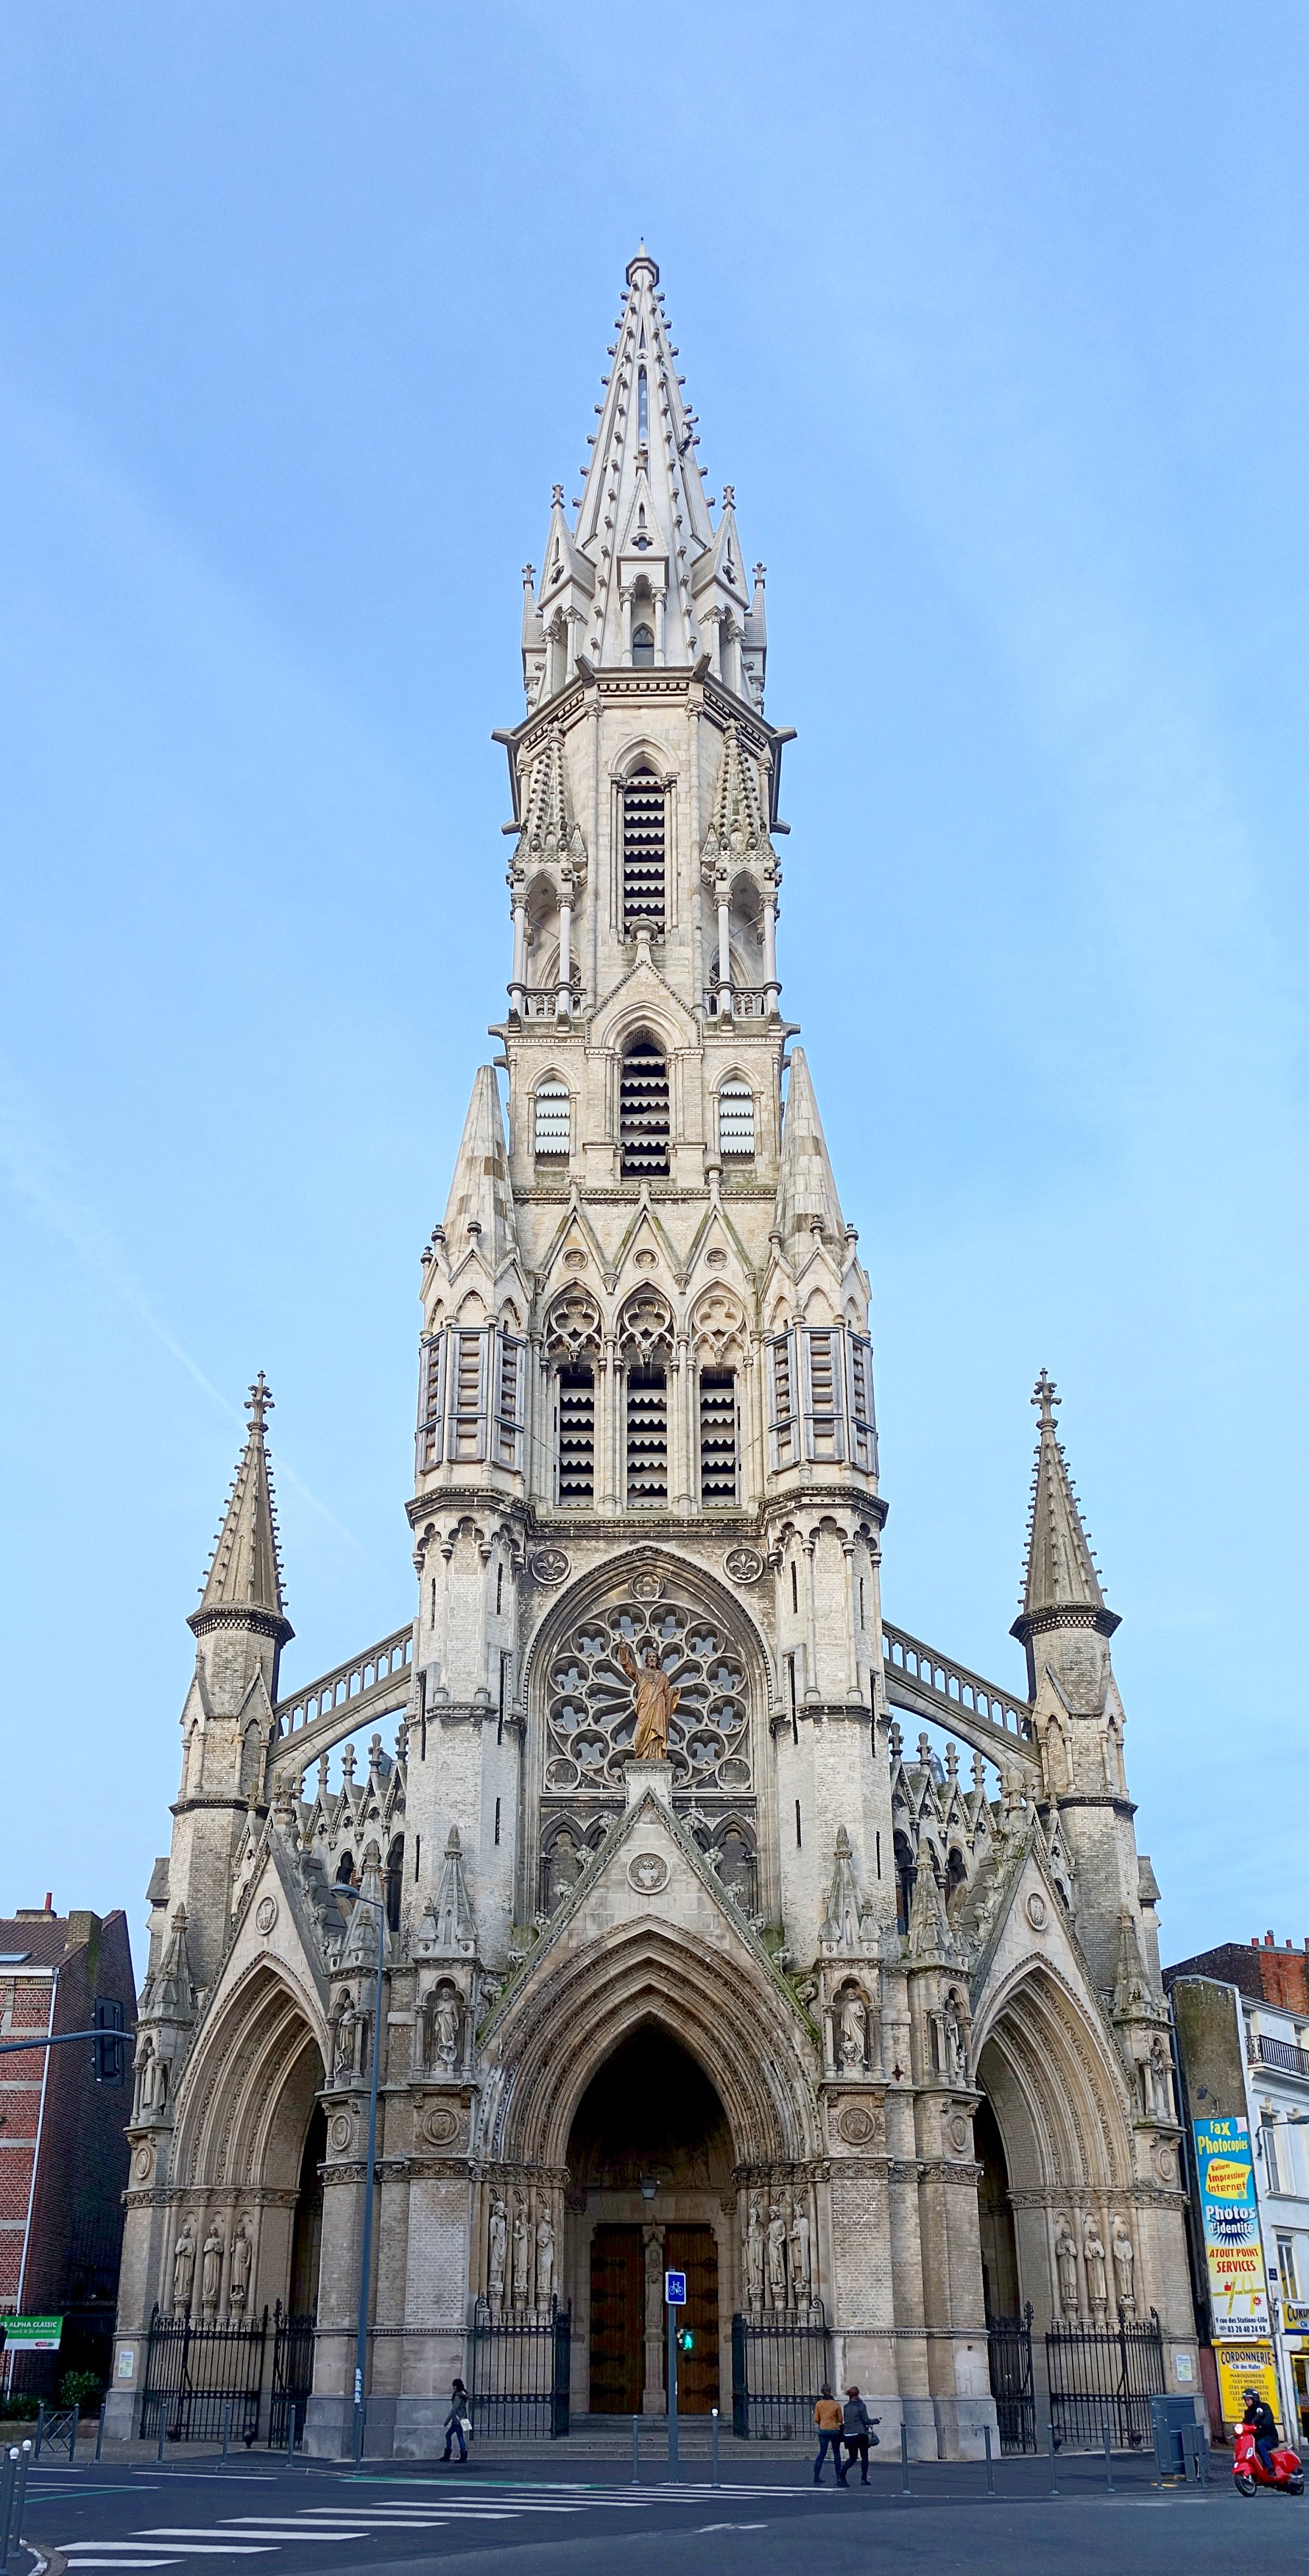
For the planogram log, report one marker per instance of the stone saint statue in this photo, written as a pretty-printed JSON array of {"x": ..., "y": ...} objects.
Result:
[
  {"x": 1065, "y": 2255},
  {"x": 854, "y": 2029},
  {"x": 799, "y": 2254},
  {"x": 754, "y": 2256},
  {"x": 345, "y": 2039},
  {"x": 777, "y": 2258},
  {"x": 1124, "y": 2254},
  {"x": 445, "y": 2031},
  {"x": 655, "y": 1702},
  {"x": 183, "y": 2267},
  {"x": 654, "y": 2280},
  {"x": 497, "y": 2248},
  {"x": 239, "y": 2277},
  {"x": 545, "y": 2260},
  {"x": 522, "y": 2255},
  {"x": 955, "y": 2040},
  {"x": 1096, "y": 2266},
  {"x": 211, "y": 2271}
]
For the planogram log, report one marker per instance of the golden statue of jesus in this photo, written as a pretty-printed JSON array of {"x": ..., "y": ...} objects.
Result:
[{"x": 655, "y": 1702}]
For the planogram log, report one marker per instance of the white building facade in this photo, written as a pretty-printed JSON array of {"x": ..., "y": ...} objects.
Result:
[{"x": 871, "y": 2043}]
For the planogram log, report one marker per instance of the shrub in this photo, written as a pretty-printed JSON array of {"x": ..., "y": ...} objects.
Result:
[{"x": 81, "y": 2388}]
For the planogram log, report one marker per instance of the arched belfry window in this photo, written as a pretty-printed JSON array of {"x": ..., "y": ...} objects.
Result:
[
  {"x": 643, "y": 1110},
  {"x": 736, "y": 1120},
  {"x": 644, "y": 862},
  {"x": 642, "y": 647},
  {"x": 551, "y": 1120}
]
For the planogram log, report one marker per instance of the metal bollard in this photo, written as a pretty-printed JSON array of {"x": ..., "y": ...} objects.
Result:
[
  {"x": 714, "y": 2479},
  {"x": 636, "y": 2450},
  {"x": 20, "y": 2491},
  {"x": 990, "y": 2463},
  {"x": 159, "y": 2446},
  {"x": 290, "y": 2433},
  {"x": 100, "y": 2428},
  {"x": 72, "y": 2438},
  {"x": 227, "y": 2427},
  {"x": 1108, "y": 2456},
  {"x": 7, "y": 2475},
  {"x": 1054, "y": 2460},
  {"x": 40, "y": 2429},
  {"x": 905, "y": 2488}
]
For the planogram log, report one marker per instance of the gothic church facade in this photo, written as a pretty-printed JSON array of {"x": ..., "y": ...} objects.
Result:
[{"x": 866, "y": 2040}]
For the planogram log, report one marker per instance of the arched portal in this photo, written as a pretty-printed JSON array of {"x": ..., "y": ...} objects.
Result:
[
  {"x": 650, "y": 2161},
  {"x": 250, "y": 2140},
  {"x": 1054, "y": 2140}
]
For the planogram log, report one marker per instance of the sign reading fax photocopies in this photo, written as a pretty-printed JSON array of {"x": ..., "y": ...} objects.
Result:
[{"x": 1234, "y": 2256}]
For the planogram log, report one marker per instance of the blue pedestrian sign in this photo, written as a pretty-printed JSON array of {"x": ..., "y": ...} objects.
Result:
[{"x": 675, "y": 2289}]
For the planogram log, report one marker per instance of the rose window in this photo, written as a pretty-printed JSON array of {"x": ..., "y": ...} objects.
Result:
[{"x": 591, "y": 1716}]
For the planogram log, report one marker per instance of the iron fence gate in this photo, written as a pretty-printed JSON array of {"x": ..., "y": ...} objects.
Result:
[
  {"x": 193, "y": 2371},
  {"x": 1104, "y": 2375},
  {"x": 519, "y": 2368},
  {"x": 293, "y": 2378},
  {"x": 1009, "y": 2359},
  {"x": 779, "y": 2364}
]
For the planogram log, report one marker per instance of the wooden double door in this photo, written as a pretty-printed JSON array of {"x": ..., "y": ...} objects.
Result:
[{"x": 618, "y": 2319}]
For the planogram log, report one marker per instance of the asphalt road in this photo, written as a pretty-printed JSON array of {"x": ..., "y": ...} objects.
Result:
[{"x": 471, "y": 2522}]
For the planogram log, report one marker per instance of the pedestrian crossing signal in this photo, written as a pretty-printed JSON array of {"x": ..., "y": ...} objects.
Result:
[{"x": 686, "y": 2340}]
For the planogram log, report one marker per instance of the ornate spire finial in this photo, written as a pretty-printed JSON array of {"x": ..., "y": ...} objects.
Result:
[
  {"x": 259, "y": 1402},
  {"x": 1061, "y": 1586},
  {"x": 1045, "y": 1395},
  {"x": 243, "y": 1586}
]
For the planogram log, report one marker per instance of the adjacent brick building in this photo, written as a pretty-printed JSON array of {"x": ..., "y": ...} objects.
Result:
[
  {"x": 63, "y": 2148},
  {"x": 1268, "y": 1971}
]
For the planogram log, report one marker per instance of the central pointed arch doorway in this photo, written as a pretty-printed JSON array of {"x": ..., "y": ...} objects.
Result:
[{"x": 650, "y": 2160}]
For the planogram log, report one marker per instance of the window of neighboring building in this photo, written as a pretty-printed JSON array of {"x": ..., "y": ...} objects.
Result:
[
  {"x": 736, "y": 1120},
  {"x": 551, "y": 1120},
  {"x": 1272, "y": 2155},
  {"x": 1286, "y": 2271}
]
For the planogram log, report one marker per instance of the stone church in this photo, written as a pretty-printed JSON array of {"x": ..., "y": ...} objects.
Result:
[{"x": 724, "y": 1923}]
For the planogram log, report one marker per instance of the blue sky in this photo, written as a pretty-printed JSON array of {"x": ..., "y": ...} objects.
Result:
[{"x": 995, "y": 316}]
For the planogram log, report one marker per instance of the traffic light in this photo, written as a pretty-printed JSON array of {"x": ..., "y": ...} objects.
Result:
[{"x": 108, "y": 2052}]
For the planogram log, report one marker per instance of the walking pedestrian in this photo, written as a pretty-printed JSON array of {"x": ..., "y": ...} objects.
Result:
[
  {"x": 457, "y": 2423},
  {"x": 827, "y": 2417},
  {"x": 857, "y": 2432}
]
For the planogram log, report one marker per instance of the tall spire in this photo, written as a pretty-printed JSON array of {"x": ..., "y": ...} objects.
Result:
[
  {"x": 243, "y": 1587},
  {"x": 806, "y": 1191},
  {"x": 1060, "y": 1585},
  {"x": 479, "y": 1212},
  {"x": 642, "y": 574}
]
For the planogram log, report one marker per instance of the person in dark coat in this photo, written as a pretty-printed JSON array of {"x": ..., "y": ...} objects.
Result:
[
  {"x": 1263, "y": 2424},
  {"x": 857, "y": 2432},
  {"x": 457, "y": 2423}
]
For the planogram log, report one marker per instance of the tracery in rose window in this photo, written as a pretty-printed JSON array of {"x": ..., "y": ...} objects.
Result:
[{"x": 590, "y": 1719}]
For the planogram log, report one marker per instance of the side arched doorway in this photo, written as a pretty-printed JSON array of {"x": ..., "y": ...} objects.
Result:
[{"x": 650, "y": 2165}]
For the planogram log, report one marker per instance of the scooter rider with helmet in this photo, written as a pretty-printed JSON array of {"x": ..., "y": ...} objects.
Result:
[{"x": 1263, "y": 2424}]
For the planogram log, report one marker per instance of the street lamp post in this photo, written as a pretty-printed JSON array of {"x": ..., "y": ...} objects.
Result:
[{"x": 378, "y": 1904}]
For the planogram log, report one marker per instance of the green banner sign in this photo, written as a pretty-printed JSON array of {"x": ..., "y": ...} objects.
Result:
[{"x": 32, "y": 2334}]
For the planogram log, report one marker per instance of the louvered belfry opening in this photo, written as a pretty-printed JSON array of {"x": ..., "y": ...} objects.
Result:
[
  {"x": 643, "y": 1111},
  {"x": 643, "y": 850},
  {"x": 717, "y": 1436},
  {"x": 647, "y": 1437},
  {"x": 577, "y": 1433}
]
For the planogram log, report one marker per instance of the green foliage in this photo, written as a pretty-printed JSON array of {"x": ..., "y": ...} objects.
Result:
[
  {"x": 81, "y": 2388},
  {"x": 22, "y": 2406}
]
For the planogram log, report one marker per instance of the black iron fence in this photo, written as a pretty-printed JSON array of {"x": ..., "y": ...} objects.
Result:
[
  {"x": 519, "y": 2368},
  {"x": 202, "y": 2380},
  {"x": 779, "y": 2364},
  {"x": 1009, "y": 2357},
  {"x": 1104, "y": 2376}
]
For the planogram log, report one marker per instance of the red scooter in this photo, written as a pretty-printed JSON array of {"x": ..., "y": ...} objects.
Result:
[{"x": 1249, "y": 2471}]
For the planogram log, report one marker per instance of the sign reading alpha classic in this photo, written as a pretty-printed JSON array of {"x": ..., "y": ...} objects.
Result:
[
  {"x": 1238, "y": 2286},
  {"x": 32, "y": 2334}
]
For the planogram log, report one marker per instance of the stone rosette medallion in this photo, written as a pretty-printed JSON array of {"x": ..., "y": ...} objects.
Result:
[
  {"x": 550, "y": 1565},
  {"x": 858, "y": 2124},
  {"x": 647, "y": 1872},
  {"x": 440, "y": 2125},
  {"x": 743, "y": 1565},
  {"x": 266, "y": 1913},
  {"x": 339, "y": 2131}
]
